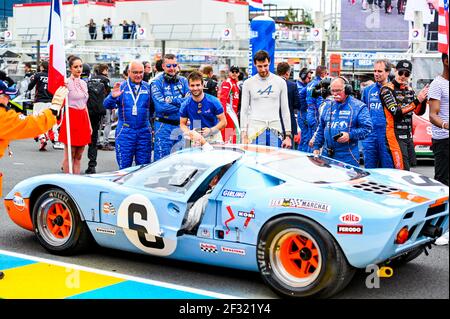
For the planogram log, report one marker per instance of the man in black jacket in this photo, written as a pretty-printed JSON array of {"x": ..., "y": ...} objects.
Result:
[
  {"x": 284, "y": 71},
  {"x": 209, "y": 84},
  {"x": 42, "y": 101}
]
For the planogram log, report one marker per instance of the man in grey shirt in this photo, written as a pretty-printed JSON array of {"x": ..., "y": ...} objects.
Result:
[{"x": 263, "y": 97}]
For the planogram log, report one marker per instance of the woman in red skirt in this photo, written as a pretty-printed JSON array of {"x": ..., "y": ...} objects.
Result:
[{"x": 80, "y": 126}]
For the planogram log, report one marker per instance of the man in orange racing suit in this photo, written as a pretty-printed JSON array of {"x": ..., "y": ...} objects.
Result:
[
  {"x": 15, "y": 126},
  {"x": 399, "y": 102}
]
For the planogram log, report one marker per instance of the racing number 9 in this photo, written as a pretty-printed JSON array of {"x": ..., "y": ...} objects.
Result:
[{"x": 139, "y": 223}]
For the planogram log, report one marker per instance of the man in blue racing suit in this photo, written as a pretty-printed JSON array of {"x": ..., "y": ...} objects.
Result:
[
  {"x": 168, "y": 92},
  {"x": 305, "y": 78},
  {"x": 342, "y": 124},
  {"x": 133, "y": 132},
  {"x": 376, "y": 151},
  {"x": 314, "y": 103}
]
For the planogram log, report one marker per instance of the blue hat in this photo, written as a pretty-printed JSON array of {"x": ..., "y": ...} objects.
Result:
[{"x": 4, "y": 89}]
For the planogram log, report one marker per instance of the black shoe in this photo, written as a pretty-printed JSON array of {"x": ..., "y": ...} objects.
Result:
[{"x": 90, "y": 170}]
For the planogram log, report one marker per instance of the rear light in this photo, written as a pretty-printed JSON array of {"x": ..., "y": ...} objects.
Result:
[{"x": 402, "y": 236}]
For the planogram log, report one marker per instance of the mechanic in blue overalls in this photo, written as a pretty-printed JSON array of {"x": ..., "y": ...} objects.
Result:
[
  {"x": 168, "y": 92},
  {"x": 305, "y": 78},
  {"x": 133, "y": 132},
  {"x": 375, "y": 152},
  {"x": 314, "y": 103},
  {"x": 342, "y": 124}
]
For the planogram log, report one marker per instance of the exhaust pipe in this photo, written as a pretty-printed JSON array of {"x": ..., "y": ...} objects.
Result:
[{"x": 432, "y": 231}]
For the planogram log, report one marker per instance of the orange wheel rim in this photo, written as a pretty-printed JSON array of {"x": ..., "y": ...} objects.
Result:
[
  {"x": 59, "y": 221},
  {"x": 299, "y": 256}
]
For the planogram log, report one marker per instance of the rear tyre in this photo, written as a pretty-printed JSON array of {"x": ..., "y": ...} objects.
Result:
[
  {"x": 298, "y": 258},
  {"x": 57, "y": 223}
]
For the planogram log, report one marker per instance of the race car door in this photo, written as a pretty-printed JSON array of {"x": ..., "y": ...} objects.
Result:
[{"x": 152, "y": 212}]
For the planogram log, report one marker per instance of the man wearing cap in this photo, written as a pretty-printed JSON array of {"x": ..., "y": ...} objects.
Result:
[
  {"x": 400, "y": 101},
  {"x": 15, "y": 126},
  {"x": 229, "y": 98}
]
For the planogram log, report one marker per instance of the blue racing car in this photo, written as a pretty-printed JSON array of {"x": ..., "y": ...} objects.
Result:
[{"x": 305, "y": 223}]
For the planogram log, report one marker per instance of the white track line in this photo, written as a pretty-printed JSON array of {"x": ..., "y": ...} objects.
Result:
[{"x": 122, "y": 276}]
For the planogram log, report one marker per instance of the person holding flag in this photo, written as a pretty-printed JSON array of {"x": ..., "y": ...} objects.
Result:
[{"x": 80, "y": 127}]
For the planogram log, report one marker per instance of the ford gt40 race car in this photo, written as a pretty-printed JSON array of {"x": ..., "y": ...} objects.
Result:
[{"x": 305, "y": 223}]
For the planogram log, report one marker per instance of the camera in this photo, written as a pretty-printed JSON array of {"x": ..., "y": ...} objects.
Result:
[{"x": 322, "y": 89}]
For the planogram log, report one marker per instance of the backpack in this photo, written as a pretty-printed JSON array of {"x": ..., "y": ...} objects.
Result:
[{"x": 96, "y": 91}]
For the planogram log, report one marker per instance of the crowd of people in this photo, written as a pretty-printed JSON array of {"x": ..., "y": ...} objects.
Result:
[
  {"x": 388, "y": 6},
  {"x": 160, "y": 114},
  {"x": 129, "y": 30}
]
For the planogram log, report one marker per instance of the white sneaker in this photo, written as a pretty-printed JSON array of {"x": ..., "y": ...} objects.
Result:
[
  {"x": 58, "y": 146},
  {"x": 443, "y": 240}
]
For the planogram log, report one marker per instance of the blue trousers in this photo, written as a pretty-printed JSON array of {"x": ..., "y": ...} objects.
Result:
[
  {"x": 168, "y": 139},
  {"x": 133, "y": 144}
]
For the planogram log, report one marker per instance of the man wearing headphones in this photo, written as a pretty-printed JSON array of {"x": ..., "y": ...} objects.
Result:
[
  {"x": 168, "y": 93},
  {"x": 305, "y": 78},
  {"x": 342, "y": 124}
]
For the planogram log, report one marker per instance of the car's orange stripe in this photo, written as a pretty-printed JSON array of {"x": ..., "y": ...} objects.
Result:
[{"x": 440, "y": 201}]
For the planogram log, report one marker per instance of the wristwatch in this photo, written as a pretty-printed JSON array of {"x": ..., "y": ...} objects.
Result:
[{"x": 288, "y": 135}]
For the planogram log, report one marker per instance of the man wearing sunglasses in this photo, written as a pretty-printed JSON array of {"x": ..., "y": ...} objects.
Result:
[
  {"x": 376, "y": 154},
  {"x": 168, "y": 92},
  {"x": 400, "y": 101},
  {"x": 229, "y": 98}
]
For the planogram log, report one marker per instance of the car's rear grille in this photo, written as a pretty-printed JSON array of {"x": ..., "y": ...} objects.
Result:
[
  {"x": 436, "y": 210},
  {"x": 376, "y": 188}
]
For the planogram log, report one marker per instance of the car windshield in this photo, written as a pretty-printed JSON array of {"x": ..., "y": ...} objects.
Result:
[
  {"x": 318, "y": 170},
  {"x": 177, "y": 172}
]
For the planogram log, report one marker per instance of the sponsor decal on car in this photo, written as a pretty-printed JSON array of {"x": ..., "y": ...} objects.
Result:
[
  {"x": 300, "y": 203},
  {"x": 106, "y": 231},
  {"x": 248, "y": 216},
  {"x": 233, "y": 194},
  {"x": 205, "y": 233},
  {"x": 233, "y": 251},
  {"x": 350, "y": 229},
  {"x": 350, "y": 218},
  {"x": 209, "y": 248},
  {"x": 19, "y": 202},
  {"x": 108, "y": 208}
]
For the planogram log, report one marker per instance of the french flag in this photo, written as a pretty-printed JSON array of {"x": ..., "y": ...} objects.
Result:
[
  {"x": 57, "y": 62},
  {"x": 255, "y": 5},
  {"x": 443, "y": 36}
]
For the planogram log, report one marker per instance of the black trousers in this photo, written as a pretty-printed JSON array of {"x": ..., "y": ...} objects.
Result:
[
  {"x": 440, "y": 151},
  {"x": 92, "y": 149}
]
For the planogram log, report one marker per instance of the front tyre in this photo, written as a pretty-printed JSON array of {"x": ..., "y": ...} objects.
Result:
[
  {"x": 57, "y": 223},
  {"x": 298, "y": 258}
]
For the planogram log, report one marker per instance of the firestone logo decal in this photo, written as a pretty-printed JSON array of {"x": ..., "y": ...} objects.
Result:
[
  {"x": 300, "y": 203},
  {"x": 350, "y": 218}
]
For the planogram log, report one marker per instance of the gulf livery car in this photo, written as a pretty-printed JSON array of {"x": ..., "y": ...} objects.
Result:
[
  {"x": 305, "y": 223},
  {"x": 422, "y": 136}
]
